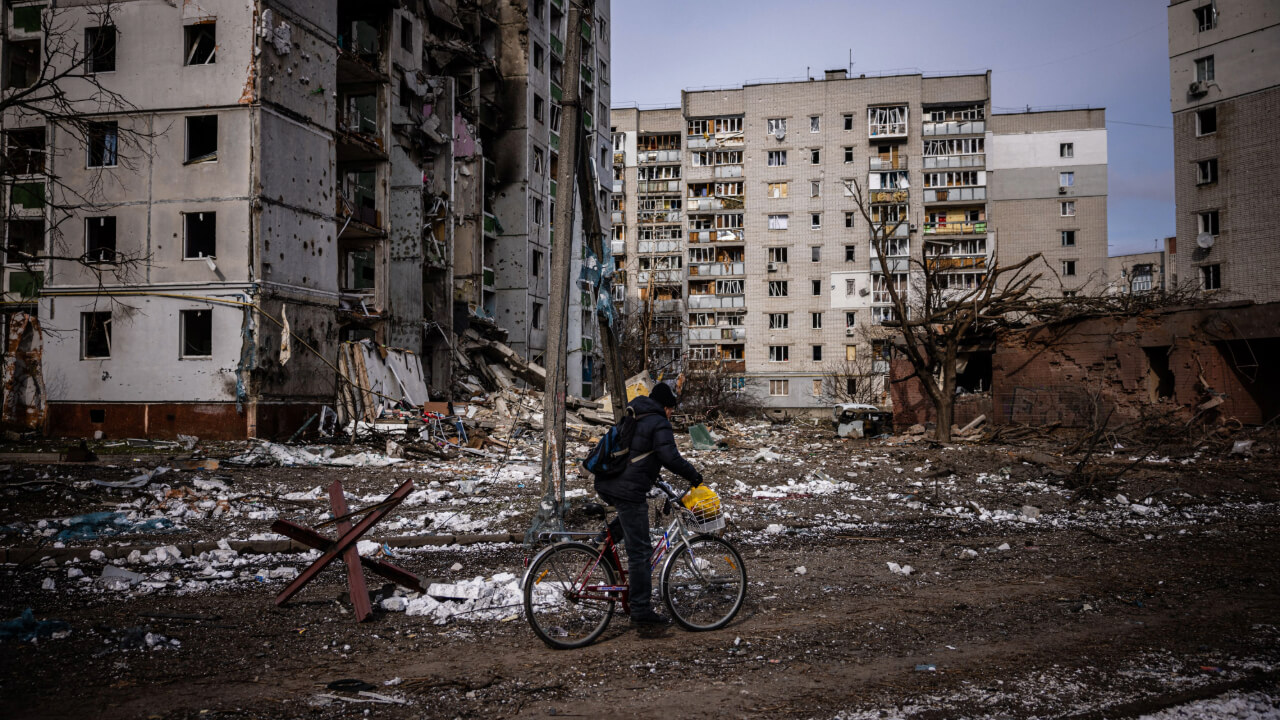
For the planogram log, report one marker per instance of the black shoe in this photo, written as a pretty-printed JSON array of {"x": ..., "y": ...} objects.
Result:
[{"x": 650, "y": 617}]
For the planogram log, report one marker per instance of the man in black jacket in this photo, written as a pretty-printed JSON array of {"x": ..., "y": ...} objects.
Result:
[{"x": 653, "y": 447}]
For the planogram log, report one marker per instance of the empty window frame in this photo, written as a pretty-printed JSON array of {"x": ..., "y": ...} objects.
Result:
[
  {"x": 536, "y": 268},
  {"x": 850, "y": 253},
  {"x": 100, "y": 239},
  {"x": 815, "y": 320},
  {"x": 779, "y": 353},
  {"x": 200, "y": 235},
  {"x": 815, "y": 156},
  {"x": 201, "y": 44},
  {"x": 1068, "y": 268},
  {"x": 538, "y": 56},
  {"x": 1211, "y": 277},
  {"x": 817, "y": 357},
  {"x": 1066, "y": 150},
  {"x": 202, "y": 138},
  {"x": 850, "y": 319},
  {"x": 1206, "y": 17},
  {"x": 848, "y": 121},
  {"x": 95, "y": 335},
  {"x": 815, "y": 253},
  {"x": 816, "y": 287},
  {"x": 197, "y": 333},
  {"x": 21, "y": 63},
  {"x": 24, "y": 151},
  {"x": 1206, "y": 121},
  {"x": 536, "y": 320},
  {"x": 815, "y": 221},
  {"x": 778, "y": 288},
  {"x": 539, "y": 108},
  {"x": 25, "y": 240},
  {"x": 1204, "y": 69},
  {"x": 777, "y": 158},
  {"x": 815, "y": 124},
  {"x": 848, "y": 219},
  {"x": 1068, "y": 238},
  {"x": 1208, "y": 222},
  {"x": 100, "y": 49},
  {"x": 102, "y": 139},
  {"x": 1066, "y": 179},
  {"x": 777, "y": 190},
  {"x": 1207, "y": 171},
  {"x": 778, "y": 222},
  {"x": 1067, "y": 208},
  {"x": 777, "y": 254},
  {"x": 776, "y": 126},
  {"x": 779, "y": 321},
  {"x": 779, "y": 388}
]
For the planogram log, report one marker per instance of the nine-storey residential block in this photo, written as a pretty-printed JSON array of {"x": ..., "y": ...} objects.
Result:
[
  {"x": 1224, "y": 70},
  {"x": 782, "y": 287}
]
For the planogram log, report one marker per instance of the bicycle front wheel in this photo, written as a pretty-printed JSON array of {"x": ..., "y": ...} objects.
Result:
[
  {"x": 569, "y": 595},
  {"x": 704, "y": 583}
]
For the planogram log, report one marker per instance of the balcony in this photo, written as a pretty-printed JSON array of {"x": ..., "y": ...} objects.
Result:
[
  {"x": 717, "y": 268},
  {"x": 665, "y": 187},
  {"x": 555, "y": 141},
  {"x": 896, "y": 196},
  {"x": 714, "y": 203},
  {"x": 557, "y": 47},
  {"x": 696, "y": 334},
  {"x": 943, "y": 263},
  {"x": 728, "y": 171},
  {"x": 616, "y": 217},
  {"x": 956, "y": 127},
  {"x": 955, "y": 194},
  {"x": 733, "y": 235},
  {"x": 556, "y": 93},
  {"x": 619, "y": 158},
  {"x": 659, "y": 217},
  {"x": 490, "y": 224},
  {"x": 667, "y": 306},
  {"x": 897, "y": 162},
  {"x": 587, "y": 76},
  {"x": 643, "y": 277},
  {"x": 978, "y": 227},
  {"x": 711, "y": 302},
  {"x": 618, "y": 247},
  {"x": 658, "y": 156},
  {"x": 733, "y": 333},
  {"x": 943, "y": 162},
  {"x": 648, "y": 247},
  {"x": 895, "y": 229},
  {"x": 617, "y": 186},
  {"x": 488, "y": 277}
]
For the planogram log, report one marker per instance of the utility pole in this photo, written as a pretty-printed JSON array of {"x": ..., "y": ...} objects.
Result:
[{"x": 551, "y": 508}]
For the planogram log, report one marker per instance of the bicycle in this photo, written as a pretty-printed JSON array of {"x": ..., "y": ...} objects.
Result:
[{"x": 571, "y": 588}]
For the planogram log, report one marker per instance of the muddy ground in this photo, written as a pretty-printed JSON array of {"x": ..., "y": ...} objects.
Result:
[{"x": 1154, "y": 591}]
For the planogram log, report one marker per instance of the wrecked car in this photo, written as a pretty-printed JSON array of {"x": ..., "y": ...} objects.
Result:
[{"x": 858, "y": 420}]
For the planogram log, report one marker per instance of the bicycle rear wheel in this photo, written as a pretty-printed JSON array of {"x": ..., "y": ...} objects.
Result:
[
  {"x": 704, "y": 583},
  {"x": 563, "y": 599}
]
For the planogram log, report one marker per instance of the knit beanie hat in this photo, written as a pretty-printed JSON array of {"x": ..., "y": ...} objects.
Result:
[{"x": 664, "y": 395}]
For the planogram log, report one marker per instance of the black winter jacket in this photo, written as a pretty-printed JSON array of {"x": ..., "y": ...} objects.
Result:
[{"x": 653, "y": 436}]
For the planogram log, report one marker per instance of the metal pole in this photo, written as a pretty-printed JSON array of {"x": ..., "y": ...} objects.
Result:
[{"x": 551, "y": 510}]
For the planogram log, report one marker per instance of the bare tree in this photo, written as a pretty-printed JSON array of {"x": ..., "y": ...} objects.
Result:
[
  {"x": 857, "y": 379},
  {"x": 937, "y": 312},
  {"x": 55, "y": 103}
]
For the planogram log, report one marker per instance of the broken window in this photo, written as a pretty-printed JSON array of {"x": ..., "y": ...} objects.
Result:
[
  {"x": 777, "y": 254},
  {"x": 848, "y": 219},
  {"x": 197, "y": 333},
  {"x": 1207, "y": 121},
  {"x": 815, "y": 221},
  {"x": 815, "y": 188},
  {"x": 1211, "y": 277},
  {"x": 850, "y": 319},
  {"x": 776, "y": 126},
  {"x": 103, "y": 139},
  {"x": 815, "y": 320},
  {"x": 201, "y": 43},
  {"x": 536, "y": 321},
  {"x": 406, "y": 33},
  {"x": 728, "y": 287},
  {"x": 777, "y": 158},
  {"x": 779, "y": 321},
  {"x": 815, "y": 253},
  {"x": 1207, "y": 171},
  {"x": 850, "y": 286},
  {"x": 1209, "y": 222},
  {"x": 555, "y": 118},
  {"x": 817, "y": 357},
  {"x": 815, "y": 156},
  {"x": 24, "y": 151},
  {"x": 21, "y": 63},
  {"x": 536, "y": 269},
  {"x": 887, "y": 120},
  {"x": 1068, "y": 268},
  {"x": 850, "y": 253},
  {"x": 202, "y": 138},
  {"x": 779, "y": 387},
  {"x": 1206, "y": 17},
  {"x": 361, "y": 270},
  {"x": 100, "y": 49},
  {"x": 815, "y": 123},
  {"x": 1068, "y": 208},
  {"x": 538, "y": 58},
  {"x": 848, "y": 121},
  {"x": 1068, "y": 238},
  {"x": 1066, "y": 150},
  {"x": 817, "y": 286},
  {"x": 25, "y": 240},
  {"x": 100, "y": 239},
  {"x": 778, "y": 288},
  {"x": 95, "y": 335},
  {"x": 537, "y": 161},
  {"x": 201, "y": 235},
  {"x": 539, "y": 107},
  {"x": 778, "y": 222},
  {"x": 777, "y": 190},
  {"x": 779, "y": 353},
  {"x": 848, "y": 155},
  {"x": 1142, "y": 277}
]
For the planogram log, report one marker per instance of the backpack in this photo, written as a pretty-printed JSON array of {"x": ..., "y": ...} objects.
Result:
[{"x": 611, "y": 455}]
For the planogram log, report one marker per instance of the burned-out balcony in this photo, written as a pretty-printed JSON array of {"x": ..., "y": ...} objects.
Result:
[
  {"x": 887, "y": 122},
  {"x": 896, "y": 161}
]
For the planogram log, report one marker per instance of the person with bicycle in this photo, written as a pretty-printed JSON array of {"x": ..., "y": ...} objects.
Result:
[{"x": 653, "y": 447}]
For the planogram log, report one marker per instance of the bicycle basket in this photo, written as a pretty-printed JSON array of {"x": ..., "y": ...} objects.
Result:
[{"x": 704, "y": 505}]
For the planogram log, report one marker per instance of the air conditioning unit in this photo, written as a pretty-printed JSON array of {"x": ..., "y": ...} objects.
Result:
[
  {"x": 1062, "y": 191},
  {"x": 773, "y": 267},
  {"x": 1199, "y": 87},
  {"x": 849, "y": 331},
  {"x": 911, "y": 228},
  {"x": 864, "y": 292}
]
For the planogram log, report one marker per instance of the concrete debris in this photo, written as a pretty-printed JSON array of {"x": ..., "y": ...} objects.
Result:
[
  {"x": 766, "y": 455},
  {"x": 897, "y": 569},
  {"x": 968, "y": 554},
  {"x": 1242, "y": 447},
  {"x": 116, "y": 578},
  {"x": 269, "y": 453},
  {"x": 1003, "y": 546},
  {"x": 801, "y": 570},
  {"x": 1030, "y": 512}
]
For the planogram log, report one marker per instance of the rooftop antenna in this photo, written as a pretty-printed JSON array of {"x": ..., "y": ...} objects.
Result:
[{"x": 850, "y": 62}]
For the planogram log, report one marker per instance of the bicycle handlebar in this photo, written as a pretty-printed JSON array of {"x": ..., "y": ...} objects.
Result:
[{"x": 669, "y": 491}]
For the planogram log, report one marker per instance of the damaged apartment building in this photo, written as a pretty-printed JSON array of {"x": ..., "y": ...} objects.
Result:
[
  {"x": 278, "y": 177},
  {"x": 737, "y": 236}
]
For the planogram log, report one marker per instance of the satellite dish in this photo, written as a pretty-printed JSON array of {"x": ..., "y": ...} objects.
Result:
[
  {"x": 1205, "y": 240},
  {"x": 779, "y": 133}
]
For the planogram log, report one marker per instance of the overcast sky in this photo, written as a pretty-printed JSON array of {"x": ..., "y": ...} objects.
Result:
[{"x": 1100, "y": 53}]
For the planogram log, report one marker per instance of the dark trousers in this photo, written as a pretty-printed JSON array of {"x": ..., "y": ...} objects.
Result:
[{"x": 633, "y": 517}]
